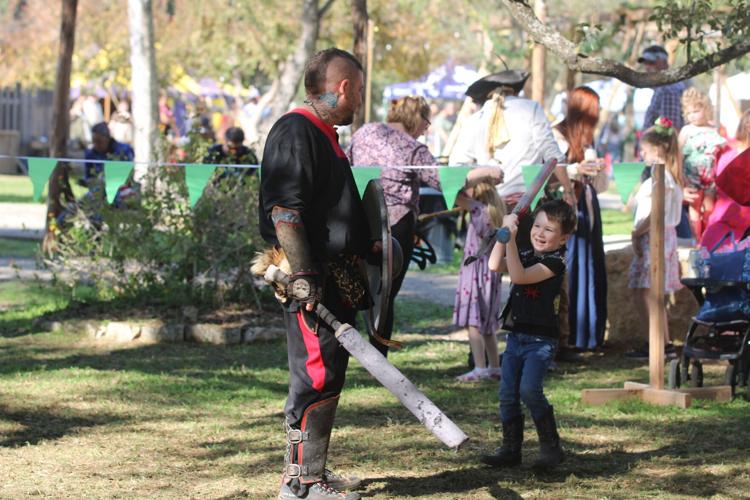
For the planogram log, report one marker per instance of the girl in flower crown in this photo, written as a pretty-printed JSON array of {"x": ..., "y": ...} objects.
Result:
[{"x": 659, "y": 145}]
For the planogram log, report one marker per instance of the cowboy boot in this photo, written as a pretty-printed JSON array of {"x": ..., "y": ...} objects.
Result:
[
  {"x": 305, "y": 458},
  {"x": 550, "y": 452},
  {"x": 509, "y": 454}
]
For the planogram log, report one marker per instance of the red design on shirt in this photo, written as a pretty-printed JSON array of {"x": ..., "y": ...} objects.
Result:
[
  {"x": 532, "y": 292},
  {"x": 327, "y": 130}
]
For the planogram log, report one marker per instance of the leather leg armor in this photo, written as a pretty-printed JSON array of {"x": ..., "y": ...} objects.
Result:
[{"x": 307, "y": 447}]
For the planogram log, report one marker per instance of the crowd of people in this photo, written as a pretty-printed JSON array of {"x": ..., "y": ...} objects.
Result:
[
  {"x": 554, "y": 256},
  {"x": 311, "y": 211}
]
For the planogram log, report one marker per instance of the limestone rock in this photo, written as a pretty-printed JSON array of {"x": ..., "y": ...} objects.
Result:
[
  {"x": 158, "y": 331},
  {"x": 213, "y": 334},
  {"x": 121, "y": 331},
  {"x": 257, "y": 333}
]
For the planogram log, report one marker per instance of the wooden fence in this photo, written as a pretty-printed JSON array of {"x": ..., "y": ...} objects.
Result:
[{"x": 27, "y": 111}]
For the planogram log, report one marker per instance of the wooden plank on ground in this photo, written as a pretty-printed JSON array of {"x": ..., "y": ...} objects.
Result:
[
  {"x": 666, "y": 397},
  {"x": 721, "y": 393},
  {"x": 635, "y": 385},
  {"x": 603, "y": 396}
]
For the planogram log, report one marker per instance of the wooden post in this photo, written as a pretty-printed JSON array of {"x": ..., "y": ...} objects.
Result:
[
  {"x": 370, "y": 51},
  {"x": 537, "y": 58},
  {"x": 656, "y": 314},
  {"x": 359, "y": 49},
  {"x": 718, "y": 82},
  {"x": 654, "y": 392},
  {"x": 107, "y": 107}
]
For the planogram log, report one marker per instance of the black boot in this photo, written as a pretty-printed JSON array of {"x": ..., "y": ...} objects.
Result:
[
  {"x": 305, "y": 459},
  {"x": 550, "y": 451},
  {"x": 509, "y": 454}
]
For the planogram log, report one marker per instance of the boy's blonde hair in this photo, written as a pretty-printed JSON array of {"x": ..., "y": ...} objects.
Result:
[
  {"x": 485, "y": 193},
  {"x": 696, "y": 98}
]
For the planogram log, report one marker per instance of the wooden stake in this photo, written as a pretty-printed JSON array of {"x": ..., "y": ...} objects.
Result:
[
  {"x": 537, "y": 58},
  {"x": 656, "y": 313},
  {"x": 654, "y": 392},
  {"x": 370, "y": 50}
]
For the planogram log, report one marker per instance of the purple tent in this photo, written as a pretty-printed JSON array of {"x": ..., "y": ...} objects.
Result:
[{"x": 449, "y": 81}]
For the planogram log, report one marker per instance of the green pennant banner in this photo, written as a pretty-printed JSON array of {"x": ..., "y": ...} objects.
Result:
[
  {"x": 626, "y": 175},
  {"x": 39, "y": 171},
  {"x": 196, "y": 177},
  {"x": 115, "y": 175},
  {"x": 452, "y": 179},
  {"x": 363, "y": 175},
  {"x": 529, "y": 173}
]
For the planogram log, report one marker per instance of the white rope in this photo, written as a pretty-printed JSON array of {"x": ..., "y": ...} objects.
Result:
[{"x": 226, "y": 165}]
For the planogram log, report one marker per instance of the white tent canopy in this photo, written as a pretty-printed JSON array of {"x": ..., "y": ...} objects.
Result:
[{"x": 735, "y": 90}]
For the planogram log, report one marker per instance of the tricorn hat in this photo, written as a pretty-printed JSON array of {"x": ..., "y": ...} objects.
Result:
[{"x": 512, "y": 78}]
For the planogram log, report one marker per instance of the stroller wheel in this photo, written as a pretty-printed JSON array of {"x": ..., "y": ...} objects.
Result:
[
  {"x": 684, "y": 374},
  {"x": 730, "y": 375},
  {"x": 696, "y": 374},
  {"x": 673, "y": 379}
]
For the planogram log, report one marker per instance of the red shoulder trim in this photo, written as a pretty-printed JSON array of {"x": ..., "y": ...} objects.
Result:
[{"x": 327, "y": 130}]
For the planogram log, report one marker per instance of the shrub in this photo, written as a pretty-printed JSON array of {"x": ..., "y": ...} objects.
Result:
[{"x": 161, "y": 247}]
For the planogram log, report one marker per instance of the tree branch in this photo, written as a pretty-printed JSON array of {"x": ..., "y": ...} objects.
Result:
[
  {"x": 567, "y": 51},
  {"x": 322, "y": 11}
]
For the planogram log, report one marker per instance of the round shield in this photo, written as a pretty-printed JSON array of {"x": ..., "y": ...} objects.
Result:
[{"x": 380, "y": 270}]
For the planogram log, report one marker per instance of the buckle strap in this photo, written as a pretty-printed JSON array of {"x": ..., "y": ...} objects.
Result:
[
  {"x": 296, "y": 436},
  {"x": 294, "y": 471}
]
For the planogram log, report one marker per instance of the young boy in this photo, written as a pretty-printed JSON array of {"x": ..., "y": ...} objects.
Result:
[{"x": 535, "y": 261}]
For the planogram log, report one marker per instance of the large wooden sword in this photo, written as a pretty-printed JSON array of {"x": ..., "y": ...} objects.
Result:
[{"x": 374, "y": 362}]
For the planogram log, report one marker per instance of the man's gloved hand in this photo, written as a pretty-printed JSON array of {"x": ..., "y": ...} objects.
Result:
[{"x": 305, "y": 288}]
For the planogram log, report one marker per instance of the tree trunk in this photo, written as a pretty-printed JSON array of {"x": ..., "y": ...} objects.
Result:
[
  {"x": 284, "y": 87},
  {"x": 59, "y": 181},
  {"x": 144, "y": 87},
  {"x": 359, "y": 21}
]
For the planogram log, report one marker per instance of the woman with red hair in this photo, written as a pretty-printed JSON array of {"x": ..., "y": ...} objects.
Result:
[{"x": 587, "y": 276}]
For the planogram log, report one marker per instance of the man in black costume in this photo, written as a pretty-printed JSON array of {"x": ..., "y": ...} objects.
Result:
[{"x": 311, "y": 209}]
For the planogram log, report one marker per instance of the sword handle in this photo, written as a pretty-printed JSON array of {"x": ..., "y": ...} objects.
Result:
[{"x": 503, "y": 235}]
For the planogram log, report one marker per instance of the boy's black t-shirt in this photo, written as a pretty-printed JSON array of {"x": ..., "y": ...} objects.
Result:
[{"x": 534, "y": 308}]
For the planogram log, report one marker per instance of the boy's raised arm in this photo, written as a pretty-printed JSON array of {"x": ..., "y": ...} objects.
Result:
[{"x": 497, "y": 258}]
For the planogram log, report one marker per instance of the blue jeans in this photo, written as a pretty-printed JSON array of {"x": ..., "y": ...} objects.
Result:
[{"x": 525, "y": 363}]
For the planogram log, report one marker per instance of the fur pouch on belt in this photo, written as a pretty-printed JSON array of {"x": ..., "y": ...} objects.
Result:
[{"x": 274, "y": 255}]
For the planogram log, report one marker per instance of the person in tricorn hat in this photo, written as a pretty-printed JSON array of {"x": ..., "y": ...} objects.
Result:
[
  {"x": 509, "y": 131},
  {"x": 513, "y": 132}
]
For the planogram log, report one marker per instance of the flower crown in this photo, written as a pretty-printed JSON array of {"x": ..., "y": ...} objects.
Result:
[{"x": 664, "y": 126}]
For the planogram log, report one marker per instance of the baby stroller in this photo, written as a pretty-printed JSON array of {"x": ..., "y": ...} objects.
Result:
[{"x": 721, "y": 329}]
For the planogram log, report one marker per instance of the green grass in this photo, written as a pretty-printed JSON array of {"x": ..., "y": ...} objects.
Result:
[
  {"x": 616, "y": 222},
  {"x": 15, "y": 189},
  {"x": 18, "y": 248},
  {"x": 18, "y": 189},
  {"x": 83, "y": 420}
]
